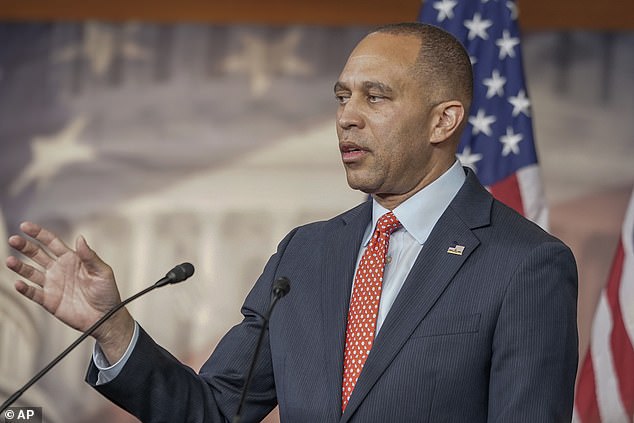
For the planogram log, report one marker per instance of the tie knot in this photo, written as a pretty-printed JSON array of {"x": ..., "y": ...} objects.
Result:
[{"x": 387, "y": 223}]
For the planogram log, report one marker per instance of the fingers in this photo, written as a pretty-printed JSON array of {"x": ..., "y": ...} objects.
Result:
[
  {"x": 31, "y": 292},
  {"x": 46, "y": 251},
  {"x": 30, "y": 249},
  {"x": 25, "y": 270},
  {"x": 46, "y": 237},
  {"x": 35, "y": 251},
  {"x": 49, "y": 243}
]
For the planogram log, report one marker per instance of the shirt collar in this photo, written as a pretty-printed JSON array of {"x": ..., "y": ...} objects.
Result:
[{"x": 429, "y": 203}]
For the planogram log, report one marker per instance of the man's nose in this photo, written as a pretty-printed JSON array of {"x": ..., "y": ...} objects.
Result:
[{"x": 349, "y": 116}]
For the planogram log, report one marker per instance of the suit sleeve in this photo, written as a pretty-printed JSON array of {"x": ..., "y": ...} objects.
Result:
[
  {"x": 534, "y": 351},
  {"x": 155, "y": 387}
]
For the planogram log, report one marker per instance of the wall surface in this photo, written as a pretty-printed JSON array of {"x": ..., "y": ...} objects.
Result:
[{"x": 536, "y": 14}]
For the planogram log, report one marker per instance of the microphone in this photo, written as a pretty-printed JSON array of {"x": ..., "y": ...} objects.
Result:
[
  {"x": 280, "y": 288},
  {"x": 177, "y": 274}
]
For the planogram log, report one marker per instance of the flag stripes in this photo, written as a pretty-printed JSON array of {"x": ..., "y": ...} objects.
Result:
[{"x": 605, "y": 386}]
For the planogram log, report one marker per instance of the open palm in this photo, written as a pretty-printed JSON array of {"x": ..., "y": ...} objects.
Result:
[{"x": 76, "y": 286}]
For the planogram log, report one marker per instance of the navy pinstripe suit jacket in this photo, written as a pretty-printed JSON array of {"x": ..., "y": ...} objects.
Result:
[{"x": 486, "y": 336}]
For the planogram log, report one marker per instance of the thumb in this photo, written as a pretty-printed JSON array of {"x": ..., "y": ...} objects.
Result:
[{"x": 88, "y": 256}]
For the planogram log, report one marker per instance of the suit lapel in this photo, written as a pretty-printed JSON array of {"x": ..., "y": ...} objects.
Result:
[
  {"x": 429, "y": 277},
  {"x": 342, "y": 241}
]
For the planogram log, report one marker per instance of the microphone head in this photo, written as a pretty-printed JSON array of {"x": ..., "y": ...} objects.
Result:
[
  {"x": 281, "y": 286},
  {"x": 180, "y": 272}
]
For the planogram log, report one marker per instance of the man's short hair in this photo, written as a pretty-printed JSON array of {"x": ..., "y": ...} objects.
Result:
[{"x": 442, "y": 61}]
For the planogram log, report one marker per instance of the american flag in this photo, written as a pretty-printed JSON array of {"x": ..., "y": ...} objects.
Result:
[
  {"x": 498, "y": 141},
  {"x": 605, "y": 385}
]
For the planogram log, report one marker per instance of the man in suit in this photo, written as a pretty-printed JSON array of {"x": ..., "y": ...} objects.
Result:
[{"x": 433, "y": 302}]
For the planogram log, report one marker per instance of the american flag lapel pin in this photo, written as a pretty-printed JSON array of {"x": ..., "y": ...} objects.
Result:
[{"x": 457, "y": 250}]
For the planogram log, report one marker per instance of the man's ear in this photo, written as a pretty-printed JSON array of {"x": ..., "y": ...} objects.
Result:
[{"x": 447, "y": 117}]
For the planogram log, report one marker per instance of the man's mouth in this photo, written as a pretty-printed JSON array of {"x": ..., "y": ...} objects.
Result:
[{"x": 351, "y": 152}]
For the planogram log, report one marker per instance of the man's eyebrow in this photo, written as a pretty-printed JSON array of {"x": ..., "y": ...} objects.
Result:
[
  {"x": 368, "y": 85},
  {"x": 340, "y": 86}
]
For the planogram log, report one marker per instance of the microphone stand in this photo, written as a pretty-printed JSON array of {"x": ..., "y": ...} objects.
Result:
[{"x": 281, "y": 287}]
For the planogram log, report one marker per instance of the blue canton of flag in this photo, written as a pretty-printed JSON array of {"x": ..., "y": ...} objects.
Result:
[{"x": 498, "y": 141}]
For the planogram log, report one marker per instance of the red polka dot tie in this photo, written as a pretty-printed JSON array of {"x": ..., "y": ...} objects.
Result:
[{"x": 364, "y": 304}]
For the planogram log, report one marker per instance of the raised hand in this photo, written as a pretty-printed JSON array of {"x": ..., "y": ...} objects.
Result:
[{"x": 76, "y": 286}]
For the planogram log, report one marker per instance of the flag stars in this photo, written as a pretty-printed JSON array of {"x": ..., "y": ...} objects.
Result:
[
  {"x": 263, "y": 61},
  {"x": 511, "y": 141},
  {"x": 478, "y": 27},
  {"x": 507, "y": 44},
  {"x": 512, "y": 6},
  {"x": 469, "y": 159},
  {"x": 51, "y": 154},
  {"x": 495, "y": 84},
  {"x": 499, "y": 139},
  {"x": 521, "y": 104},
  {"x": 100, "y": 48},
  {"x": 445, "y": 9},
  {"x": 481, "y": 123}
]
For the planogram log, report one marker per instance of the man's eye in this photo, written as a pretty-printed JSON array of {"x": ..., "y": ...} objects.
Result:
[
  {"x": 374, "y": 98},
  {"x": 342, "y": 99}
]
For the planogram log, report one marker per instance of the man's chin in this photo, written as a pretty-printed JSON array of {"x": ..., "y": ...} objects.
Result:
[
  {"x": 361, "y": 179},
  {"x": 362, "y": 186}
]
